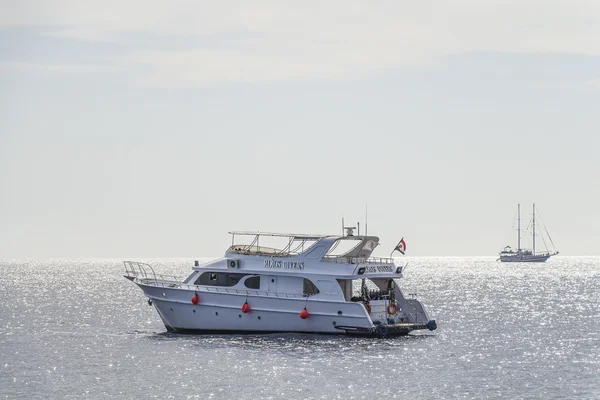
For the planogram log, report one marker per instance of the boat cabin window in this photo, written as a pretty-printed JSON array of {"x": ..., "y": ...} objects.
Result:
[
  {"x": 219, "y": 279},
  {"x": 309, "y": 288},
  {"x": 253, "y": 282},
  {"x": 189, "y": 278}
]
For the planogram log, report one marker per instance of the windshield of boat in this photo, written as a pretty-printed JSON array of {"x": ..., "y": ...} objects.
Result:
[
  {"x": 352, "y": 247},
  {"x": 343, "y": 246}
]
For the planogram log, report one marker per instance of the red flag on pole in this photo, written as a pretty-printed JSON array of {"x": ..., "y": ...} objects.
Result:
[{"x": 401, "y": 247}]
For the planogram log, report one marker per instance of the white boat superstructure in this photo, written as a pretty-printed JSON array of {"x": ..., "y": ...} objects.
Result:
[
  {"x": 306, "y": 286},
  {"x": 525, "y": 255}
]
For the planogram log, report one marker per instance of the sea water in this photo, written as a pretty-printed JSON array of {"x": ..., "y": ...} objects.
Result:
[{"x": 77, "y": 328}]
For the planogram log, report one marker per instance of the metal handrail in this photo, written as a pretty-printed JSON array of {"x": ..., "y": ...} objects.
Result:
[
  {"x": 135, "y": 268},
  {"x": 138, "y": 269}
]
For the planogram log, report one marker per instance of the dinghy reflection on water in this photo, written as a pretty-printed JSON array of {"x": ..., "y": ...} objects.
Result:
[{"x": 306, "y": 286}]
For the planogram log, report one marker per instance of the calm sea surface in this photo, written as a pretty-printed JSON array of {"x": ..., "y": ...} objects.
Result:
[{"x": 77, "y": 328}]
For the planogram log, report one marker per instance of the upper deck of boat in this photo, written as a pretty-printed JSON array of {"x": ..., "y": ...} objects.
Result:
[{"x": 308, "y": 246}]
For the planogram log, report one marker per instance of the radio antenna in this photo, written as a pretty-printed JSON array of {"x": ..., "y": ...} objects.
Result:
[{"x": 366, "y": 219}]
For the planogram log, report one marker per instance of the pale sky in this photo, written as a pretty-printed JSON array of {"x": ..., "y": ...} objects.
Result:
[{"x": 151, "y": 129}]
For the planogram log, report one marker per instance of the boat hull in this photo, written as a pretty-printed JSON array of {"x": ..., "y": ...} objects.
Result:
[
  {"x": 222, "y": 313},
  {"x": 526, "y": 259},
  {"x": 390, "y": 331}
]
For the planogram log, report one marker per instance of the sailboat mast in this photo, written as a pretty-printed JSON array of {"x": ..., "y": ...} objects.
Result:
[
  {"x": 533, "y": 223},
  {"x": 518, "y": 227}
]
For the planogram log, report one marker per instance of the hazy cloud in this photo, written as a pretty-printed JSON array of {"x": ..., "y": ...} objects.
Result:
[
  {"x": 65, "y": 68},
  {"x": 280, "y": 40}
]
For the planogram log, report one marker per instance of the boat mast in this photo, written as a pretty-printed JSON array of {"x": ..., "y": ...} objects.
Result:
[
  {"x": 518, "y": 227},
  {"x": 533, "y": 223}
]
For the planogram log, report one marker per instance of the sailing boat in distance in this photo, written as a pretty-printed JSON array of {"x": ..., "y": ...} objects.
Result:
[{"x": 526, "y": 255}]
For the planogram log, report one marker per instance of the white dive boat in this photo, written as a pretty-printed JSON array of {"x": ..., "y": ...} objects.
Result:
[
  {"x": 304, "y": 287},
  {"x": 526, "y": 255}
]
